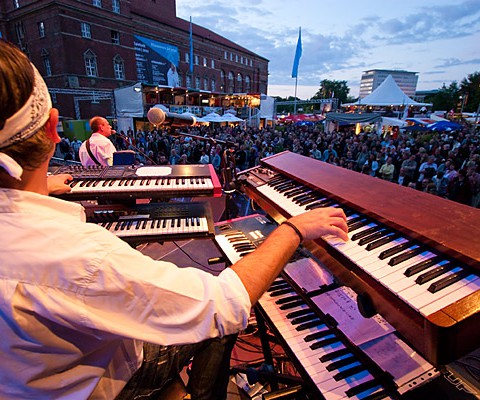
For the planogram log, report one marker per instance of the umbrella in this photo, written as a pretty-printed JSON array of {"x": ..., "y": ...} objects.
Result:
[
  {"x": 229, "y": 117},
  {"x": 444, "y": 126},
  {"x": 213, "y": 117}
]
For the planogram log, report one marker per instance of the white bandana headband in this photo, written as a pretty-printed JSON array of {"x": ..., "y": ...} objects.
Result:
[{"x": 25, "y": 123}]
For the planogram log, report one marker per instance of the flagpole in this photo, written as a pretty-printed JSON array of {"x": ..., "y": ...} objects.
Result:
[
  {"x": 296, "y": 61},
  {"x": 295, "y": 99}
]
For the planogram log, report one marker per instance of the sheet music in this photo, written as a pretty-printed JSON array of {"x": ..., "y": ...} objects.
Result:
[
  {"x": 377, "y": 338},
  {"x": 308, "y": 274},
  {"x": 341, "y": 304},
  {"x": 408, "y": 368}
]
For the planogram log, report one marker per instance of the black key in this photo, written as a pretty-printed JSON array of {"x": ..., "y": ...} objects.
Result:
[
  {"x": 341, "y": 363},
  {"x": 362, "y": 234},
  {"x": 304, "y": 318},
  {"x": 371, "y": 238},
  {"x": 298, "y": 313},
  {"x": 447, "y": 281},
  {"x": 380, "y": 242},
  {"x": 288, "y": 299},
  {"x": 354, "y": 220},
  {"x": 434, "y": 273},
  {"x": 422, "y": 265},
  {"x": 311, "y": 324},
  {"x": 349, "y": 372},
  {"x": 334, "y": 354},
  {"x": 394, "y": 250},
  {"x": 324, "y": 342},
  {"x": 317, "y": 335},
  {"x": 357, "y": 225},
  {"x": 278, "y": 285},
  {"x": 281, "y": 292},
  {"x": 405, "y": 256},
  {"x": 292, "y": 304},
  {"x": 363, "y": 387}
]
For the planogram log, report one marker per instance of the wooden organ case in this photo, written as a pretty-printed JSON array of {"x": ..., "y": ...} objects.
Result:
[{"x": 429, "y": 236}]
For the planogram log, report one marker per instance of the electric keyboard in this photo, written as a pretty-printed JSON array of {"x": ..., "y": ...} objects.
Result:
[
  {"x": 338, "y": 352},
  {"x": 412, "y": 257},
  {"x": 130, "y": 182},
  {"x": 155, "y": 221}
]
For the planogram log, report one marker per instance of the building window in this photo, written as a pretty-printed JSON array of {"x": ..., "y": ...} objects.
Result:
[
  {"x": 205, "y": 83},
  {"x": 97, "y": 3},
  {"x": 225, "y": 55},
  {"x": 212, "y": 64},
  {"x": 16, "y": 3},
  {"x": 46, "y": 62},
  {"x": 180, "y": 79},
  {"x": 86, "y": 32},
  {"x": 188, "y": 82},
  {"x": 41, "y": 29},
  {"x": 231, "y": 56},
  {"x": 118, "y": 67},
  {"x": 204, "y": 61},
  {"x": 231, "y": 84},
  {"x": 197, "y": 83},
  {"x": 115, "y": 37},
  {"x": 239, "y": 83},
  {"x": 196, "y": 60},
  {"x": 187, "y": 57},
  {"x": 247, "y": 84},
  {"x": 116, "y": 6},
  {"x": 90, "y": 63},
  {"x": 236, "y": 58},
  {"x": 213, "y": 86}
]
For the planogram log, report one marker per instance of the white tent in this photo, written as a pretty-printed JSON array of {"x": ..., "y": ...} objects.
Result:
[
  {"x": 387, "y": 94},
  {"x": 229, "y": 117},
  {"x": 213, "y": 117}
]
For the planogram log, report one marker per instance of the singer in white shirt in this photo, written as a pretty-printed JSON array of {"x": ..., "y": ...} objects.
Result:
[{"x": 100, "y": 145}]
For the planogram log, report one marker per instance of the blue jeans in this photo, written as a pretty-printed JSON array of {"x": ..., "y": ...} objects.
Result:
[{"x": 209, "y": 374}]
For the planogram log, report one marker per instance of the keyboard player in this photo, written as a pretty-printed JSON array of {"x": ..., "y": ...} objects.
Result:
[{"x": 75, "y": 289}]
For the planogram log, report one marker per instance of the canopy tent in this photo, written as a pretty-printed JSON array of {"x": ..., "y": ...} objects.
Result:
[
  {"x": 393, "y": 121},
  {"x": 387, "y": 94},
  {"x": 354, "y": 118}
]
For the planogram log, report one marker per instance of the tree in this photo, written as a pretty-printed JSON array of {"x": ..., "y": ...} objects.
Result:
[
  {"x": 470, "y": 92},
  {"x": 337, "y": 89},
  {"x": 446, "y": 98}
]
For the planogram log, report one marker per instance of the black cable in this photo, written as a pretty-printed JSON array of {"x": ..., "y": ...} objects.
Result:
[{"x": 196, "y": 262}]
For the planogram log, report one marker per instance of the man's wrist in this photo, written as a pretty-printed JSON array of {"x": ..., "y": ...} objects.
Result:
[{"x": 295, "y": 229}]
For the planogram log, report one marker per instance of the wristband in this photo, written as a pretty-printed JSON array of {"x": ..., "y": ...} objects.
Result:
[{"x": 300, "y": 236}]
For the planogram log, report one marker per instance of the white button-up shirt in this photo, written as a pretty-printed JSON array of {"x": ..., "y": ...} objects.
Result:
[
  {"x": 101, "y": 147},
  {"x": 76, "y": 302}
]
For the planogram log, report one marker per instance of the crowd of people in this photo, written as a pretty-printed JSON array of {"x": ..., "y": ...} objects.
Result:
[{"x": 446, "y": 164}]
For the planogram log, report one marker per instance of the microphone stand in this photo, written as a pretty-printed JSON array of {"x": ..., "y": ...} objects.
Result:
[
  {"x": 125, "y": 139},
  {"x": 228, "y": 171}
]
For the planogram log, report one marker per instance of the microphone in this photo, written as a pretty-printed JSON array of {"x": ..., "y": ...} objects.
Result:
[{"x": 156, "y": 116}]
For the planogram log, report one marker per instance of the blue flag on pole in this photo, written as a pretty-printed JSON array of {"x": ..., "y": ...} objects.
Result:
[
  {"x": 298, "y": 54},
  {"x": 191, "y": 47}
]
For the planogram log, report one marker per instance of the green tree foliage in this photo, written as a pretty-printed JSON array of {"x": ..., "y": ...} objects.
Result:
[
  {"x": 337, "y": 89},
  {"x": 470, "y": 92},
  {"x": 446, "y": 98}
]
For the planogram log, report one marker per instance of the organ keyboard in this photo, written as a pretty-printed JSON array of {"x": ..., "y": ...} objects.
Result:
[
  {"x": 340, "y": 354},
  {"x": 125, "y": 182},
  {"x": 413, "y": 257},
  {"x": 155, "y": 221}
]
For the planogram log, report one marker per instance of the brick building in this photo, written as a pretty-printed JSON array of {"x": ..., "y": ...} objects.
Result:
[{"x": 87, "y": 48}]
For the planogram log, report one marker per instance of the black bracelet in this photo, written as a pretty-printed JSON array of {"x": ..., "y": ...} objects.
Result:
[{"x": 300, "y": 236}]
